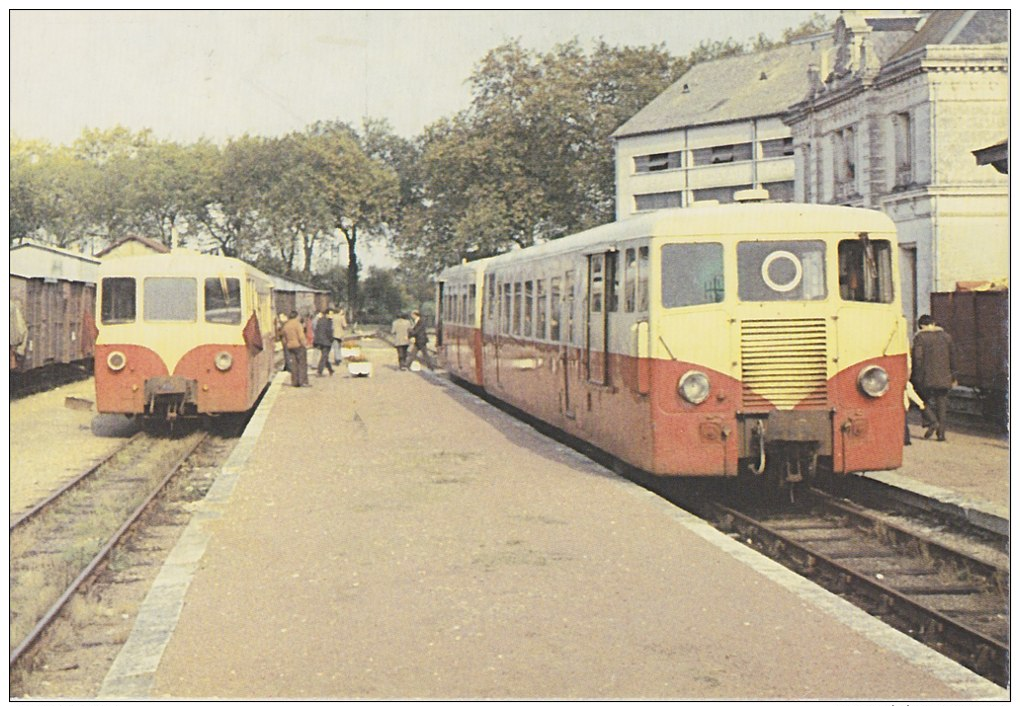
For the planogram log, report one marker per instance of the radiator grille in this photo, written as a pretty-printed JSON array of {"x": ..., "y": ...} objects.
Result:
[{"x": 783, "y": 363}]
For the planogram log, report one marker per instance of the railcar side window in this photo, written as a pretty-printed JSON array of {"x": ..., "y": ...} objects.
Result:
[
  {"x": 517, "y": 308},
  {"x": 541, "y": 302},
  {"x": 118, "y": 304},
  {"x": 865, "y": 270},
  {"x": 790, "y": 270},
  {"x": 612, "y": 281},
  {"x": 505, "y": 313},
  {"x": 490, "y": 295},
  {"x": 629, "y": 280},
  {"x": 170, "y": 298},
  {"x": 529, "y": 306},
  {"x": 642, "y": 287},
  {"x": 596, "y": 282},
  {"x": 472, "y": 294},
  {"x": 692, "y": 274},
  {"x": 554, "y": 308},
  {"x": 223, "y": 300}
]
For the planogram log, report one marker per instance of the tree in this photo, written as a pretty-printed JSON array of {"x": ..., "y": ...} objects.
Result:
[
  {"x": 531, "y": 159},
  {"x": 360, "y": 193}
]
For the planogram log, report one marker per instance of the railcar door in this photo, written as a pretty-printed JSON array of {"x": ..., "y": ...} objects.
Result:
[{"x": 561, "y": 327}]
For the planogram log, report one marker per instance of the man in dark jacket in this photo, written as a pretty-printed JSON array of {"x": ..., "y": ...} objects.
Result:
[
  {"x": 934, "y": 373},
  {"x": 324, "y": 339},
  {"x": 420, "y": 341}
]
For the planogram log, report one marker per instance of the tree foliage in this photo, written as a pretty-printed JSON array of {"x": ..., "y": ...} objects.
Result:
[{"x": 529, "y": 160}]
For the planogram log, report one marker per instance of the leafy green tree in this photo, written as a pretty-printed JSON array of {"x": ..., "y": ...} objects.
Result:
[{"x": 360, "y": 193}]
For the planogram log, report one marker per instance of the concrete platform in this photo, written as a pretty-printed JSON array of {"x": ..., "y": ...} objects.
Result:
[{"x": 394, "y": 537}]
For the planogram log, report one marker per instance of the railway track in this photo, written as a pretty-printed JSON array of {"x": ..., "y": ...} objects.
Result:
[
  {"x": 941, "y": 595},
  {"x": 57, "y": 545}
]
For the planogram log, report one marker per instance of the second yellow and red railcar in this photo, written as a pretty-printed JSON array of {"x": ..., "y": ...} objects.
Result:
[{"x": 182, "y": 334}]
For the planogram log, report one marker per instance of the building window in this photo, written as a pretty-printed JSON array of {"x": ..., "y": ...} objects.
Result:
[
  {"x": 903, "y": 139},
  {"x": 722, "y": 194},
  {"x": 663, "y": 199},
  {"x": 657, "y": 162},
  {"x": 845, "y": 166},
  {"x": 781, "y": 191},
  {"x": 722, "y": 154},
  {"x": 773, "y": 149}
]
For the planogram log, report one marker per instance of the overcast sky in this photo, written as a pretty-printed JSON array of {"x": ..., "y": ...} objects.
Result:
[{"x": 219, "y": 74}]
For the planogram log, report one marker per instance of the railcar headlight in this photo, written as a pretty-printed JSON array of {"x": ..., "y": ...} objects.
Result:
[
  {"x": 694, "y": 387},
  {"x": 223, "y": 361},
  {"x": 873, "y": 381},
  {"x": 116, "y": 361}
]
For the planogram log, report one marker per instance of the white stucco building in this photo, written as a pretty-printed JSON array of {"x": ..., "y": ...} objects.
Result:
[
  {"x": 717, "y": 130},
  {"x": 898, "y": 105}
]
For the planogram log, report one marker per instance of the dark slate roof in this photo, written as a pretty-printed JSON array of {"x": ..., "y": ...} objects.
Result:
[
  {"x": 727, "y": 90},
  {"x": 978, "y": 27}
]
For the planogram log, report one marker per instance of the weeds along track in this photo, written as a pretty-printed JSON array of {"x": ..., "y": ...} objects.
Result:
[{"x": 56, "y": 546}]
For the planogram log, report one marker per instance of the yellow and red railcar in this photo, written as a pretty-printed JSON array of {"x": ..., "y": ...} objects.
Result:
[
  {"x": 182, "y": 334},
  {"x": 709, "y": 341}
]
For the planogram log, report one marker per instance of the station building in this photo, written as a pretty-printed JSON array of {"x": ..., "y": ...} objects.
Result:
[{"x": 890, "y": 111}]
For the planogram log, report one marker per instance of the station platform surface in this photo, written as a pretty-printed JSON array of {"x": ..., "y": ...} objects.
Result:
[{"x": 394, "y": 537}]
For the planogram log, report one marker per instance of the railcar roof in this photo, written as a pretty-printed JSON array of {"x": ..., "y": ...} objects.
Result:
[
  {"x": 722, "y": 221},
  {"x": 178, "y": 262}
]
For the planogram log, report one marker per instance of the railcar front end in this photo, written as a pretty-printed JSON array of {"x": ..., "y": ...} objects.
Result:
[
  {"x": 182, "y": 335},
  {"x": 779, "y": 353}
]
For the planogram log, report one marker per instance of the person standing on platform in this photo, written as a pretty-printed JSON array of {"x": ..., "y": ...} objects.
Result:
[
  {"x": 324, "y": 340},
  {"x": 400, "y": 329},
  {"x": 934, "y": 373},
  {"x": 294, "y": 345},
  {"x": 280, "y": 322},
  {"x": 339, "y": 325},
  {"x": 420, "y": 341}
]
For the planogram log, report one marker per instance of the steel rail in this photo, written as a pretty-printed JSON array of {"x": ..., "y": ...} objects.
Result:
[
  {"x": 59, "y": 604},
  {"x": 35, "y": 509},
  {"x": 900, "y": 537},
  {"x": 981, "y": 653}
]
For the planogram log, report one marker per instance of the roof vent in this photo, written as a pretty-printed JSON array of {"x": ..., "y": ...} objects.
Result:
[
  {"x": 751, "y": 195},
  {"x": 687, "y": 88}
]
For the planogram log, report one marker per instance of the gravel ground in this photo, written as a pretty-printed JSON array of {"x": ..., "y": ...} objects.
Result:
[{"x": 51, "y": 442}]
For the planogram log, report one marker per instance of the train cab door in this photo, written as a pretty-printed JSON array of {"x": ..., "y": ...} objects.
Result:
[{"x": 596, "y": 319}]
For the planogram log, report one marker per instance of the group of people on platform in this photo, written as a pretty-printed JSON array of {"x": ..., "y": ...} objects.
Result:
[{"x": 325, "y": 332}]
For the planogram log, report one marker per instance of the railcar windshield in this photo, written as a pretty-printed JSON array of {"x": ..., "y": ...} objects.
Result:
[
  {"x": 223, "y": 300},
  {"x": 692, "y": 274},
  {"x": 170, "y": 298},
  {"x": 865, "y": 270},
  {"x": 118, "y": 300},
  {"x": 788, "y": 270}
]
